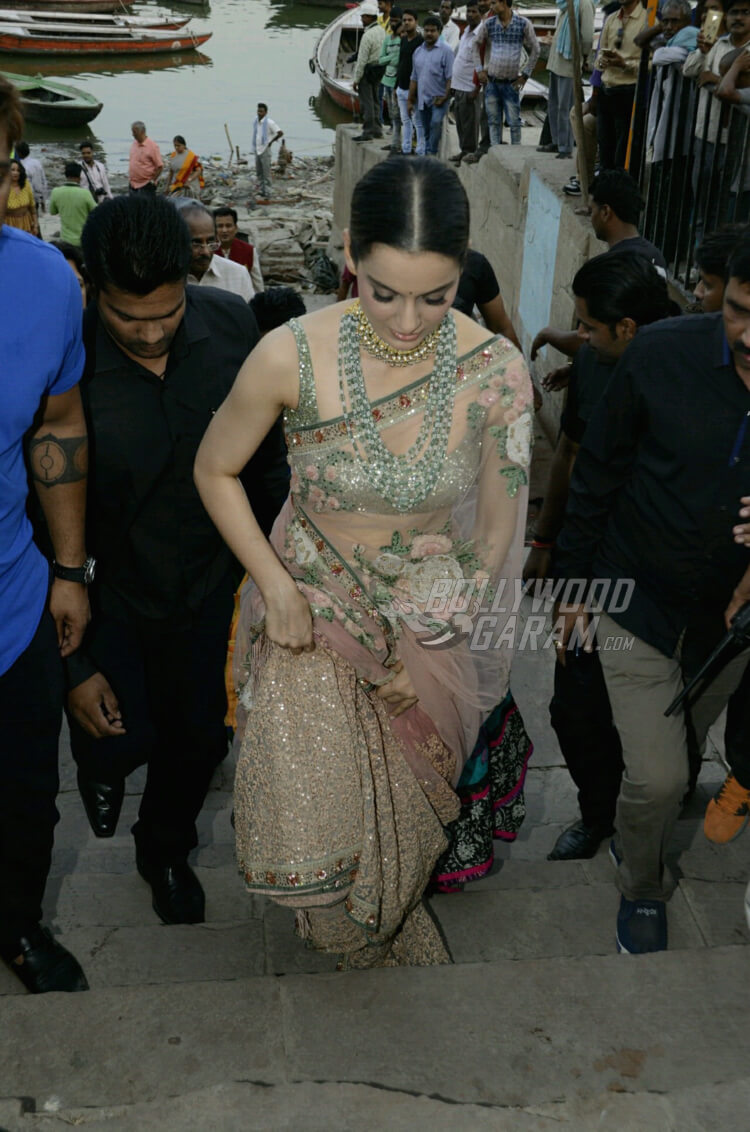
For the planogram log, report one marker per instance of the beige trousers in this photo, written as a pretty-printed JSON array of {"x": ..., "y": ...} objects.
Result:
[
  {"x": 641, "y": 683},
  {"x": 585, "y": 146}
]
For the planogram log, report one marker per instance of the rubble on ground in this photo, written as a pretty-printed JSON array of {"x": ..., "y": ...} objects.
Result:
[{"x": 291, "y": 232}]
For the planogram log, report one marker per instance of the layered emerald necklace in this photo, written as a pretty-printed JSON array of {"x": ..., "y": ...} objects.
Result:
[{"x": 403, "y": 481}]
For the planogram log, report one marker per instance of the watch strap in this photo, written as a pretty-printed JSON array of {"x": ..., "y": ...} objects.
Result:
[{"x": 83, "y": 575}]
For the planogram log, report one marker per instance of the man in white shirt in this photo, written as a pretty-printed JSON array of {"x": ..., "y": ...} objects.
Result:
[
  {"x": 35, "y": 173},
  {"x": 451, "y": 31},
  {"x": 206, "y": 268},
  {"x": 94, "y": 174},
  {"x": 464, "y": 86},
  {"x": 265, "y": 133},
  {"x": 368, "y": 72}
]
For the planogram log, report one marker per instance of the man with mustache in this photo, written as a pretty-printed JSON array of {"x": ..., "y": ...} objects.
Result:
[
  {"x": 207, "y": 268},
  {"x": 653, "y": 498}
]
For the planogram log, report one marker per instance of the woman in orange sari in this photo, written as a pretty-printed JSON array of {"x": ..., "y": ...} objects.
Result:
[
  {"x": 184, "y": 170},
  {"x": 371, "y": 650},
  {"x": 21, "y": 209}
]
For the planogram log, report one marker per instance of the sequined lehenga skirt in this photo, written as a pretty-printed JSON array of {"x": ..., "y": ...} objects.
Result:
[{"x": 339, "y": 816}]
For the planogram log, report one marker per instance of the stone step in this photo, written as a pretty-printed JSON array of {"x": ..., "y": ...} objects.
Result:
[
  {"x": 249, "y": 936},
  {"x": 340, "y": 1107},
  {"x": 524, "y": 1034}
]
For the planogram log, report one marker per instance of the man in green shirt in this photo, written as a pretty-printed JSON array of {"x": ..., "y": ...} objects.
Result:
[
  {"x": 389, "y": 57},
  {"x": 72, "y": 204}
]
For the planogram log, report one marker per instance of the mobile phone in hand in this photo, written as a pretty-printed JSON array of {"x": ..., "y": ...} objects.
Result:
[{"x": 711, "y": 25}]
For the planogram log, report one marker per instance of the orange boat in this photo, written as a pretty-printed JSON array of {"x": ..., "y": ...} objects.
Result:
[{"x": 47, "y": 39}]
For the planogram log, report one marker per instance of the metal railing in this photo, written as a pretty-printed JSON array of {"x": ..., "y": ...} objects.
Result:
[{"x": 691, "y": 156}]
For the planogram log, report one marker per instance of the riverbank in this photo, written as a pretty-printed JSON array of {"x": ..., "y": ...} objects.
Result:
[{"x": 291, "y": 232}]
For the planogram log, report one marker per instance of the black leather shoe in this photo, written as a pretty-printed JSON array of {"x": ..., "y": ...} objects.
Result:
[
  {"x": 47, "y": 965},
  {"x": 102, "y": 803},
  {"x": 578, "y": 842},
  {"x": 177, "y": 894}
]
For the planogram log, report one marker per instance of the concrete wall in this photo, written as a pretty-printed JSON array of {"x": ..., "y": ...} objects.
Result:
[{"x": 521, "y": 220}]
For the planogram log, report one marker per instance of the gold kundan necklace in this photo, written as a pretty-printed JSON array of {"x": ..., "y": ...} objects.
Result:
[{"x": 373, "y": 344}]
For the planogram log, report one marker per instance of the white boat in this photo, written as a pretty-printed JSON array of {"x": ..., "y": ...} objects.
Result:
[{"x": 341, "y": 39}]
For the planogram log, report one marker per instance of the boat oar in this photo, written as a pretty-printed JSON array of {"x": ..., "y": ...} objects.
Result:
[{"x": 231, "y": 146}]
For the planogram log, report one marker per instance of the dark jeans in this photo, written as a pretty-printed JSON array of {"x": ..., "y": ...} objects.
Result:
[
  {"x": 31, "y": 699},
  {"x": 737, "y": 732},
  {"x": 169, "y": 681},
  {"x": 614, "y": 109},
  {"x": 582, "y": 719},
  {"x": 149, "y": 188},
  {"x": 484, "y": 128}
]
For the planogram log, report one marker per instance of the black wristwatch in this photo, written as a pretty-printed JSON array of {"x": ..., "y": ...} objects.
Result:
[{"x": 84, "y": 575}]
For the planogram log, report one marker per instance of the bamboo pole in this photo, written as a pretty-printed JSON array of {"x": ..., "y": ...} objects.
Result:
[{"x": 575, "y": 42}]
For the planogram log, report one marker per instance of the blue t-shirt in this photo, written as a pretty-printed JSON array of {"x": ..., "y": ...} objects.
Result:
[{"x": 40, "y": 352}]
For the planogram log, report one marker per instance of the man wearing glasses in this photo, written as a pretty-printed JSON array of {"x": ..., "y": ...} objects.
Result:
[
  {"x": 206, "y": 268},
  {"x": 147, "y": 685}
]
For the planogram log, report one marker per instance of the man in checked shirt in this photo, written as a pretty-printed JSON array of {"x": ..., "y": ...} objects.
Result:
[{"x": 502, "y": 77}]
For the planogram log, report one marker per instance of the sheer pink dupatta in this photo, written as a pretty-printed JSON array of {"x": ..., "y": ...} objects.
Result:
[{"x": 374, "y": 575}]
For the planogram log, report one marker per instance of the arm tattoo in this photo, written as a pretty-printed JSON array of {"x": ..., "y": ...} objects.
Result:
[{"x": 58, "y": 459}]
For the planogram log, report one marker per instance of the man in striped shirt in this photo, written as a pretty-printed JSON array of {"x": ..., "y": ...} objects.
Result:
[{"x": 508, "y": 34}]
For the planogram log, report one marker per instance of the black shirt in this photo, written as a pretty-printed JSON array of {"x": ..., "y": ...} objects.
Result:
[
  {"x": 478, "y": 284},
  {"x": 656, "y": 486},
  {"x": 403, "y": 71},
  {"x": 641, "y": 246},
  {"x": 589, "y": 377},
  {"x": 158, "y": 553}
]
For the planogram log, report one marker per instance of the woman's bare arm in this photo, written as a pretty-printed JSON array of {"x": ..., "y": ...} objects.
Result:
[{"x": 267, "y": 383}]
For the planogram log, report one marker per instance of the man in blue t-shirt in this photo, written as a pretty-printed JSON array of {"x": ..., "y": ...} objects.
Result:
[{"x": 40, "y": 412}]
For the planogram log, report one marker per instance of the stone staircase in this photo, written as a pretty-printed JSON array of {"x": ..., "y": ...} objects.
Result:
[{"x": 538, "y": 1024}]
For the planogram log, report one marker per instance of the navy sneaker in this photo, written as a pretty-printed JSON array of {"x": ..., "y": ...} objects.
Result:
[{"x": 641, "y": 926}]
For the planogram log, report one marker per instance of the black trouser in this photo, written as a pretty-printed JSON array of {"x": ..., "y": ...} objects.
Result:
[
  {"x": 370, "y": 107},
  {"x": 582, "y": 719},
  {"x": 169, "y": 681},
  {"x": 737, "y": 732},
  {"x": 465, "y": 110},
  {"x": 613, "y": 113},
  {"x": 31, "y": 699},
  {"x": 149, "y": 187}
]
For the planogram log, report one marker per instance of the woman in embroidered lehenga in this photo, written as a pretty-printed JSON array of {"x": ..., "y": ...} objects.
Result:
[{"x": 408, "y": 429}]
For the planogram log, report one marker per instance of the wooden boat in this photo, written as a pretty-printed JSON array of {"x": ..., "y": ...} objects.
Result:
[
  {"x": 69, "y": 68},
  {"x": 340, "y": 40},
  {"x": 49, "y": 39},
  {"x": 51, "y": 103},
  {"x": 81, "y": 20},
  {"x": 81, "y": 6}
]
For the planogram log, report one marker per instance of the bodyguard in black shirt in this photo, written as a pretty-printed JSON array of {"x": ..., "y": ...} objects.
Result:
[
  {"x": 653, "y": 498},
  {"x": 616, "y": 295},
  {"x": 148, "y": 683}
]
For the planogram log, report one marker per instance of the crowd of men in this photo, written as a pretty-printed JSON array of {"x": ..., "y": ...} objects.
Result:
[{"x": 416, "y": 72}]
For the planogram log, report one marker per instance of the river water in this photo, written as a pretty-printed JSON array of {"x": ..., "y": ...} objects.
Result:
[{"x": 258, "y": 52}]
